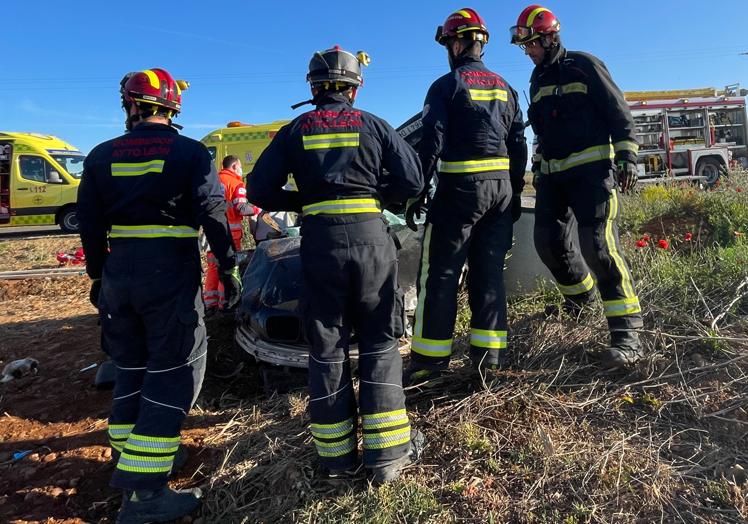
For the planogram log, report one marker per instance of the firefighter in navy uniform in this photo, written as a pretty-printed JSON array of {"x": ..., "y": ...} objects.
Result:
[
  {"x": 473, "y": 124},
  {"x": 348, "y": 165},
  {"x": 141, "y": 200},
  {"x": 586, "y": 147}
]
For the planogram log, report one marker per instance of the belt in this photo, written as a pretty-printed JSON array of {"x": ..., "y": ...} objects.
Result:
[
  {"x": 152, "y": 231},
  {"x": 467, "y": 167},
  {"x": 343, "y": 207}
]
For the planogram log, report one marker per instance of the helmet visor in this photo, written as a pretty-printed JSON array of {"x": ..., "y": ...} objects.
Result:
[{"x": 521, "y": 34}]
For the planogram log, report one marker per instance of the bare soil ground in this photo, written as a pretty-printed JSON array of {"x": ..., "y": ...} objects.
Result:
[{"x": 58, "y": 414}]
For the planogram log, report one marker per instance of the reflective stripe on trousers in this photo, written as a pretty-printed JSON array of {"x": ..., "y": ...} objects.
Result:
[{"x": 588, "y": 284}]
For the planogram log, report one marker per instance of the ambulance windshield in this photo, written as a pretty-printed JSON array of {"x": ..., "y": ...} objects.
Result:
[{"x": 72, "y": 163}]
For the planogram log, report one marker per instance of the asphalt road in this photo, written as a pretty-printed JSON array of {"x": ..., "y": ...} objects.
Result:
[{"x": 29, "y": 231}]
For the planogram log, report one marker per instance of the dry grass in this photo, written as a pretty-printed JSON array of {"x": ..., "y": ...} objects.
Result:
[{"x": 551, "y": 439}]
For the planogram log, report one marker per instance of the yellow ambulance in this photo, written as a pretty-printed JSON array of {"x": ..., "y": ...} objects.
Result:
[
  {"x": 39, "y": 177},
  {"x": 244, "y": 141}
]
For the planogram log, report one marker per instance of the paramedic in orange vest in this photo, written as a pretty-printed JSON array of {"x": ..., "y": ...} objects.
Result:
[{"x": 237, "y": 207}]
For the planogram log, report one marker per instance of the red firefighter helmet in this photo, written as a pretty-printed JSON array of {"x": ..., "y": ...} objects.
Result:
[
  {"x": 465, "y": 23},
  {"x": 532, "y": 23},
  {"x": 153, "y": 86}
]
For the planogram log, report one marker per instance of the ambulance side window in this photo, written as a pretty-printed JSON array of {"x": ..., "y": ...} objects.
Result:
[{"x": 34, "y": 168}]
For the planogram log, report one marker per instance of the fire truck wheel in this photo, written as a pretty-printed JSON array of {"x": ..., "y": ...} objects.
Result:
[
  {"x": 68, "y": 220},
  {"x": 710, "y": 169}
]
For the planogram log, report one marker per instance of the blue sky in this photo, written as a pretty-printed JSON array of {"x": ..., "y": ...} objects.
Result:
[{"x": 246, "y": 60}]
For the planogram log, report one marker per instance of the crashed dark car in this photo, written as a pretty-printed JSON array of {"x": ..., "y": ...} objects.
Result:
[{"x": 271, "y": 327}]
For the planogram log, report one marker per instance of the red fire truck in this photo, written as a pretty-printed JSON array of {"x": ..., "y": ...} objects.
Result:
[{"x": 692, "y": 134}]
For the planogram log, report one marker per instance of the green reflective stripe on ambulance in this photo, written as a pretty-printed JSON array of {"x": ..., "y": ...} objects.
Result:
[
  {"x": 343, "y": 206},
  {"x": 137, "y": 168},
  {"x": 29, "y": 220},
  {"x": 248, "y": 135},
  {"x": 622, "y": 307},
  {"x": 474, "y": 166},
  {"x": 487, "y": 95},
  {"x": 484, "y": 338},
  {"x": 431, "y": 347},
  {"x": 331, "y": 140},
  {"x": 573, "y": 87},
  {"x": 586, "y": 156},
  {"x": 577, "y": 289},
  {"x": 152, "y": 231}
]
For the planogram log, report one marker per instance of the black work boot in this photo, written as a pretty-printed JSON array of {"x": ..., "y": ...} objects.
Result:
[
  {"x": 180, "y": 459},
  {"x": 161, "y": 505},
  {"x": 391, "y": 472},
  {"x": 481, "y": 360},
  {"x": 352, "y": 473},
  {"x": 625, "y": 350},
  {"x": 574, "y": 306}
]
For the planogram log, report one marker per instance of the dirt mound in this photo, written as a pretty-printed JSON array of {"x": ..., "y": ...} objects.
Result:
[
  {"x": 677, "y": 226},
  {"x": 44, "y": 288}
]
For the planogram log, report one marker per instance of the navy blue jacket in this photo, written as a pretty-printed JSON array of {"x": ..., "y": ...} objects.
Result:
[
  {"x": 335, "y": 152},
  {"x": 575, "y": 105},
  {"x": 178, "y": 188},
  {"x": 471, "y": 113}
]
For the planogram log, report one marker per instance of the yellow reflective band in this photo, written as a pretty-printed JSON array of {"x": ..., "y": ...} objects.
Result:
[
  {"x": 431, "y": 348},
  {"x": 152, "y": 79},
  {"x": 343, "y": 206},
  {"x": 610, "y": 242},
  {"x": 577, "y": 289},
  {"x": 387, "y": 439},
  {"x": 486, "y": 95},
  {"x": 626, "y": 145},
  {"x": 418, "y": 329},
  {"x": 573, "y": 87},
  {"x": 119, "y": 446},
  {"x": 138, "y": 168},
  {"x": 620, "y": 308},
  {"x": 152, "y": 231},
  {"x": 534, "y": 13},
  {"x": 329, "y": 141},
  {"x": 586, "y": 156},
  {"x": 337, "y": 430},
  {"x": 475, "y": 166},
  {"x": 385, "y": 420},
  {"x": 484, "y": 338},
  {"x": 335, "y": 449},
  {"x": 463, "y": 13}
]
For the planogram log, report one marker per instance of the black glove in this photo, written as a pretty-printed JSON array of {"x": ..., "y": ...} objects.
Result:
[
  {"x": 516, "y": 207},
  {"x": 232, "y": 287},
  {"x": 93, "y": 294},
  {"x": 535, "y": 174},
  {"x": 413, "y": 210},
  {"x": 626, "y": 175}
]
